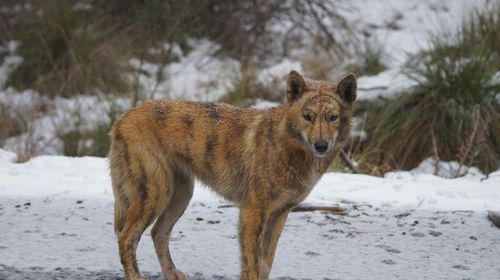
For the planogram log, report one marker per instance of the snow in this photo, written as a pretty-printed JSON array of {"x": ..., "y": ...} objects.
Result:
[
  {"x": 6, "y": 156},
  {"x": 264, "y": 104},
  {"x": 404, "y": 27},
  {"x": 450, "y": 169},
  {"x": 88, "y": 177},
  {"x": 385, "y": 84},
  {"x": 197, "y": 75},
  {"x": 278, "y": 72},
  {"x": 405, "y": 190},
  {"x": 393, "y": 227},
  {"x": 64, "y": 115}
]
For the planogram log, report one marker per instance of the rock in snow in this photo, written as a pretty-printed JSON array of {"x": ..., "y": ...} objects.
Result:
[{"x": 494, "y": 217}]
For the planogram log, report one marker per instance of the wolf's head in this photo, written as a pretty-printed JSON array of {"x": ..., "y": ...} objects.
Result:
[{"x": 320, "y": 112}]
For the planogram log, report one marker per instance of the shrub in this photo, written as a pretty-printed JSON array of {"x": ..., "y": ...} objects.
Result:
[
  {"x": 369, "y": 59},
  {"x": 95, "y": 142},
  {"x": 453, "y": 110},
  {"x": 248, "y": 88},
  {"x": 83, "y": 136},
  {"x": 76, "y": 46},
  {"x": 10, "y": 124},
  {"x": 244, "y": 29},
  {"x": 65, "y": 50}
]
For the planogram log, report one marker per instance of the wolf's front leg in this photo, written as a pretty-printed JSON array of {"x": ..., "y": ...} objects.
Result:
[
  {"x": 272, "y": 234},
  {"x": 251, "y": 231}
]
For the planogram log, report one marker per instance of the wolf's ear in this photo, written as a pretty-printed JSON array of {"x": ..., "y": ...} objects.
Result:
[
  {"x": 347, "y": 88},
  {"x": 295, "y": 86}
]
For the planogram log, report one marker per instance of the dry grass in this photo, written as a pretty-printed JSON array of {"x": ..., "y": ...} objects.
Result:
[
  {"x": 248, "y": 88},
  {"x": 65, "y": 51},
  {"x": 11, "y": 124},
  {"x": 369, "y": 59}
]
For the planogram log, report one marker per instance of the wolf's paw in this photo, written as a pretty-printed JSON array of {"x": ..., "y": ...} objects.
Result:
[{"x": 176, "y": 275}]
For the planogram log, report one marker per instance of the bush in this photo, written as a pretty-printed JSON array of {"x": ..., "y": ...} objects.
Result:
[
  {"x": 369, "y": 59},
  {"x": 95, "y": 142},
  {"x": 84, "y": 136},
  {"x": 77, "y": 46},
  {"x": 65, "y": 50},
  {"x": 248, "y": 88},
  {"x": 453, "y": 113}
]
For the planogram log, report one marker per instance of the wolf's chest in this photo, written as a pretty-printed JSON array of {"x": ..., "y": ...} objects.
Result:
[{"x": 298, "y": 190}]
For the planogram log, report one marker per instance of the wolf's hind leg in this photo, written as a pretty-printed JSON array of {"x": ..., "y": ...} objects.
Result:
[
  {"x": 183, "y": 186},
  {"x": 128, "y": 239},
  {"x": 147, "y": 195}
]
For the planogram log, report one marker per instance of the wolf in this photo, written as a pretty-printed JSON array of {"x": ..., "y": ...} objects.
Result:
[{"x": 265, "y": 161}]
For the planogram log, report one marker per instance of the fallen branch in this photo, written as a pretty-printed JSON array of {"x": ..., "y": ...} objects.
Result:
[
  {"x": 349, "y": 163},
  {"x": 307, "y": 208}
]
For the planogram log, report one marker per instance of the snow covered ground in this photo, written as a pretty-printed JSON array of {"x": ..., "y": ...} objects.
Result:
[{"x": 56, "y": 221}]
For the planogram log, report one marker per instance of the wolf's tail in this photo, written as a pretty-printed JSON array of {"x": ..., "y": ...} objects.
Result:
[{"x": 118, "y": 169}]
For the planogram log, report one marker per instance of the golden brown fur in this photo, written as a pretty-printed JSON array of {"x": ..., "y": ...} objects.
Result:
[{"x": 266, "y": 161}]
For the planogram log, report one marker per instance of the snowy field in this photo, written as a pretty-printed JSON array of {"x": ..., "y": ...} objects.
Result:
[{"x": 56, "y": 218}]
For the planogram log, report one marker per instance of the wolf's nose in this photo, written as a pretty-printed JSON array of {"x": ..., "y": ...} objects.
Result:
[{"x": 321, "y": 146}]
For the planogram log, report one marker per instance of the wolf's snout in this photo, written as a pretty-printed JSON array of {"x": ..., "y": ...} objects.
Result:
[{"x": 321, "y": 146}]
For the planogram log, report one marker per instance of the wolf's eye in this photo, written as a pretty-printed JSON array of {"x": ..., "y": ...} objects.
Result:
[
  {"x": 332, "y": 118},
  {"x": 308, "y": 117}
]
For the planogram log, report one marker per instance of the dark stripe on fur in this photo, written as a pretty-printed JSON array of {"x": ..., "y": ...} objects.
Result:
[
  {"x": 188, "y": 120},
  {"x": 143, "y": 186},
  {"x": 212, "y": 110},
  {"x": 161, "y": 110},
  {"x": 210, "y": 146},
  {"x": 210, "y": 156},
  {"x": 270, "y": 128},
  {"x": 290, "y": 128}
]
